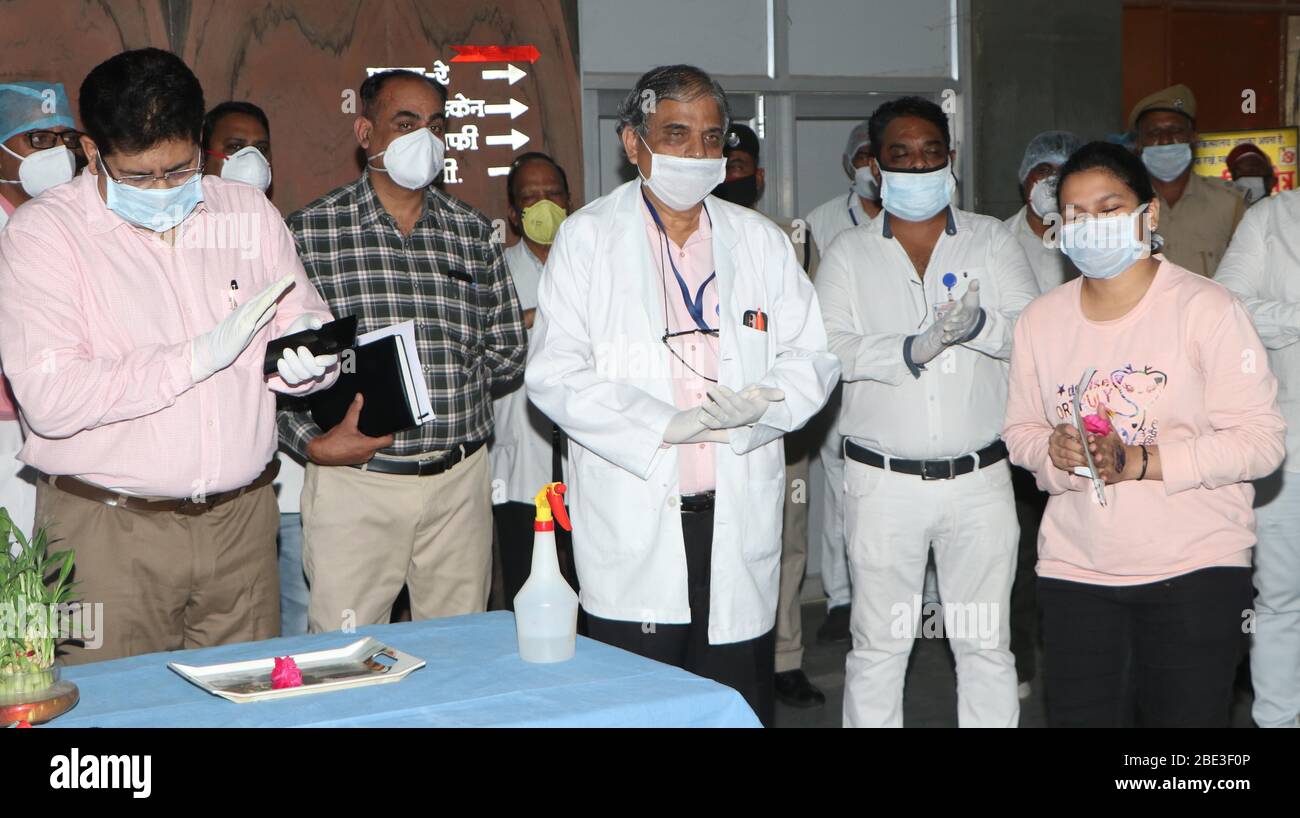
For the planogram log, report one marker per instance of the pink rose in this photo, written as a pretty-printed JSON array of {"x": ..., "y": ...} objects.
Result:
[
  {"x": 1097, "y": 425},
  {"x": 286, "y": 673}
]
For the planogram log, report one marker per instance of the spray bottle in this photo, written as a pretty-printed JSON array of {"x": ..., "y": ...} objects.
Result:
[{"x": 546, "y": 608}]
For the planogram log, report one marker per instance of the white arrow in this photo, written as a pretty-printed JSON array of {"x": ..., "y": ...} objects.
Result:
[
  {"x": 499, "y": 171},
  {"x": 514, "y": 139},
  {"x": 508, "y": 73},
  {"x": 514, "y": 107}
]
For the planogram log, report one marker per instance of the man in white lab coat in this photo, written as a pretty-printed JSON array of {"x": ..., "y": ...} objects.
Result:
[
  {"x": 919, "y": 306},
  {"x": 1262, "y": 268},
  {"x": 677, "y": 341}
]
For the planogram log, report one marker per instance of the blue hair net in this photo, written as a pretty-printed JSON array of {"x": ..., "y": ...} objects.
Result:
[{"x": 31, "y": 106}]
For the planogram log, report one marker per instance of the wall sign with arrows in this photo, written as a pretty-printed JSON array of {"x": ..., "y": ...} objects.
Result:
[{"x": 489, "y": 111}]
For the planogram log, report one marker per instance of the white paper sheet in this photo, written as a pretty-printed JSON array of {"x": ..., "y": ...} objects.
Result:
[
  {"x": 1098, "y": 485},
  {"x": 412, "y": 369}
]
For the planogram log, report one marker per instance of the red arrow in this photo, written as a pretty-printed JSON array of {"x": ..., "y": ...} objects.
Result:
[{"x": 495, "y": 53}]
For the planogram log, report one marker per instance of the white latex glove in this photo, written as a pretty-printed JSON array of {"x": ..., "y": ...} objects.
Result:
[
  {"x": 927, "y": 345},
  {"x": 687, "y": 426},
  {"x": 961, "y": 319},
  {"x": 218, "y": 348},
  {"x": 299, "y": 366},
  {"x": 726, "y": 409}
]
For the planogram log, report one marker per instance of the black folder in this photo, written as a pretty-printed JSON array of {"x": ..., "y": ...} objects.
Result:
[
  {"x": 330, "y": 339},
  {"x": 379, "y": 371}
]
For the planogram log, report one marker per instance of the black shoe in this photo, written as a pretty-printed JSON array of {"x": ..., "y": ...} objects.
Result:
[
  {"x": 836, "y": 627},
  {"x": 794, "y": 688}
]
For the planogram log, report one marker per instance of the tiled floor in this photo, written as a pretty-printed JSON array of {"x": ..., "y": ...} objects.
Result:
[{"x": 930, "y": 698}]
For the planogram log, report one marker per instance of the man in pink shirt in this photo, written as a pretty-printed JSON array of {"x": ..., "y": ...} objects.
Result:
[{"x": 135, "y": 307}]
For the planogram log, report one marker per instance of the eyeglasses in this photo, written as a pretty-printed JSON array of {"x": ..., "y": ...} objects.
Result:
[
  {"x": 43, "y": 140},
  {"x": 713, "y": 333},
  {"x": 172, "y": 178},
  {"x": 668, "y": 336}
]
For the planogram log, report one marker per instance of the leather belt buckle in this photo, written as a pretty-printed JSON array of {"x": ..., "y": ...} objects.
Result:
[
  {"x": 192, "y": 509},
  {"x": 927, "y": 474}
]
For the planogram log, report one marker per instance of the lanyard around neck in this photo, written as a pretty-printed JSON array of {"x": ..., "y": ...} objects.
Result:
[
  {"x": 694, "y": 306},
  {"x": 852, "y": 215}
]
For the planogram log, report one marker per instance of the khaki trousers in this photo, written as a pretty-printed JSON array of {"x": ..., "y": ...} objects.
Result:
[
  {"x": 366, "y": 534},
  {"x": 794, "y": 553},
  {"x": 167, "y": 581}
]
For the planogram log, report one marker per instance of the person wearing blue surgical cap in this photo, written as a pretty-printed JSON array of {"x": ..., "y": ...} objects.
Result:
[
  {"x": 39, "y": 143},
  {"x": 37, "y": 140}
]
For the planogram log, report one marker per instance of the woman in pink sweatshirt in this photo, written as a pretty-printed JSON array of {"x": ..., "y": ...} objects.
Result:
[{"x": 1146, "y": 599}]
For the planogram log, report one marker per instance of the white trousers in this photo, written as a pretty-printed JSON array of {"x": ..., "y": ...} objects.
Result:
[
  {"x": 893, "y": 520},
  {"x": 1275, "y": 652},
  {"x": 830, "y": 532},
  {"x": 17, "y": 481}
]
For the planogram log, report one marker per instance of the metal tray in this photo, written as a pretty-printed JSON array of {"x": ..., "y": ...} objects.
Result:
[{"x": 356, "y": 665}]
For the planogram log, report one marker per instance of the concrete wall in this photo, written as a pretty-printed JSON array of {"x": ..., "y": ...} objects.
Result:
[{"x": 1039, "y": 66}]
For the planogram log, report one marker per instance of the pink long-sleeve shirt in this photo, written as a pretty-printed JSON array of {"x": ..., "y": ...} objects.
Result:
[
  {"x": 1185, "y": 371},
  {"x": 96, "y": 319},
  {"x": 694, "y": 261}
]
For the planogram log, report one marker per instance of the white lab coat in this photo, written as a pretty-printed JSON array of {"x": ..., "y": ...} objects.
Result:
[{"x": 598, "y": 368}]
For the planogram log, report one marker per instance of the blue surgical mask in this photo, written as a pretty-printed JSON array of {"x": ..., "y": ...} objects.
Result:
[
  {"x": 1167, "y": 162},
  {"x": 159, "y": 209},
  {"x": 916, "y": 196},
  {"x": 1104, "y": 248}
]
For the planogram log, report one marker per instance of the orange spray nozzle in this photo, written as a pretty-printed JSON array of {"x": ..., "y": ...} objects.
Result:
[{"x": 550, "y": 505}]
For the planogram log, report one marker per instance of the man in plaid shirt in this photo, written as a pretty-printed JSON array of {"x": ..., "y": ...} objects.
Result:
[{"x": 412, "y": 508}]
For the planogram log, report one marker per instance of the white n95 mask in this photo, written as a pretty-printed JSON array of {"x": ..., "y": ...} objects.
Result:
[
  {"x": 864, "y": 184},
  {"x": 40, "y": 171},
  {"x": 1042, "y": 198},
  {"x": 412, "y": 160},
  {"x": 682, "y": 183},
  {"x": 249, "y": 166},
  {"x": 1253, "y": 187}
]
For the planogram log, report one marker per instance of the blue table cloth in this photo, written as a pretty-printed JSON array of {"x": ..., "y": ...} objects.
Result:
[{"x": 474, "y": 678}]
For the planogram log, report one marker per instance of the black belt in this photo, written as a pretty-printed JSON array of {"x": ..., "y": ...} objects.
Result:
[
  {"x": 695, "y": 503},
  {"x": 943, "y": 469},
  {"x": 422, "y": 468}
]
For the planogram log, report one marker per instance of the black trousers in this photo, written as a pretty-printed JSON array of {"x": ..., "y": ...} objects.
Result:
[
  {"x": 1157, "y": 655},
  {"x": 748, "y": 667},
  {"x": 515, "y": 538},
  {"x": 1030, "y": 504}
]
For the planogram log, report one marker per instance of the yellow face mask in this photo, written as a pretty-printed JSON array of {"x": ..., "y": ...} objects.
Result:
[{"x": 541, "y": 220}]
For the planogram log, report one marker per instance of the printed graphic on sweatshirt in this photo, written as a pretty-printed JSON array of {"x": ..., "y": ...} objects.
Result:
[{"x": 1128, "y": 395}]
